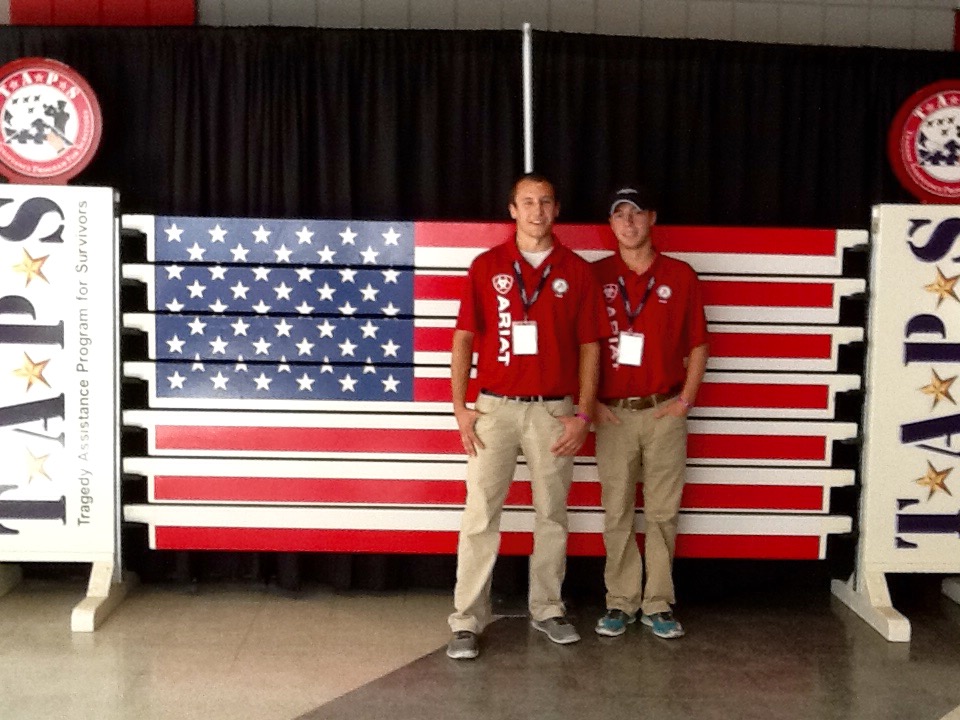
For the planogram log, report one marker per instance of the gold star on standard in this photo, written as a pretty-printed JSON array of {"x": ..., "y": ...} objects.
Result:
[
  {"x": 939, "y": 388},
  {"x": 35, "y": 466},
  {"x": 31, "y": 267},
  {"x": 32, "y": 371},
  {"x": 935, "y": 480},
  {"x": 942, "y": 287}
]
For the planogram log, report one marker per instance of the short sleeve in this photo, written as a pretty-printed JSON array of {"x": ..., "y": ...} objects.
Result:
[
  {"x": 592, "y": 322},
  {"x": 468, "y": 317}
]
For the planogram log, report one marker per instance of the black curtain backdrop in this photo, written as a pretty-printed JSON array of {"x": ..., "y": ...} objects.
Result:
[
  {"x": 278, "y": 122},
  {"x": 729, "y": 133},
  {"x": 427, "y": 125}
]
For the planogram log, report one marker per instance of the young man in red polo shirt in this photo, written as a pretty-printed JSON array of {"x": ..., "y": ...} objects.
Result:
[
  {"x": 650, "y": 372},
  {"x": 532, "y": 311}
]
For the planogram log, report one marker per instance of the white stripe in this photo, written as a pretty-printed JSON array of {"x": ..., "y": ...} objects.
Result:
[
  {"x": 213, "y": 418},
  {"x": 835, "y": 384},
  {"x": 430, "y": 519},
  {"x": 841, "y": 287},
  {"x": 584, "y": 471}
]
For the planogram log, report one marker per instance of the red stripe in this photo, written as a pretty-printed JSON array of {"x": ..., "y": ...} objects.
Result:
[
  {"x": 432, "y": 339},
  {"x": 486, "y": 235},
  {"x": 747, "y": 241},
  {"x": 103, "y": 12},
  {"x": 760, "y": 345},
  {"x": 461, "y": 235},
  {"x": 438, "y": 390},
  {"x": 421, "y": 542},
  {"x": 299, "y": 439},
  {"x": 76, "y": 12},
  {"x": 447, "y": 442},
  {"x": 749, "y": 547},
  {"x": 756, "y": 447},
  {"x": 125, "y": 12},
  {"x": 749, "y": 497},
  {"x": 172, "y": 12},
  {"x": 712, "y": 395},
  {"x": 768, "y": 294},
  {"x": 713, "y": 240},
  {"x": 715, "y": 292},
  {"x": 351, "y": 491},
  {"x": 726, "y": 344},
  {"x": 956, "y": 29},
  {"x": 438, "y": 287},
  {"x": 757, "y": 395},
  {"x": 31, "y": 12}
]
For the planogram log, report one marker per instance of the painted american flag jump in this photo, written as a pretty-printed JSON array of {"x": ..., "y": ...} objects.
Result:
[{"x": 297, "y": 378}]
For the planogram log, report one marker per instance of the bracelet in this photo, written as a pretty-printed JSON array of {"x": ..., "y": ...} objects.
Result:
[
  {"x": 683, "y": 401},
  {"x": 584, "y": 417}
]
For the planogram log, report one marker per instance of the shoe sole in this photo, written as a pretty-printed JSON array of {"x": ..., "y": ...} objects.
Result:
[
  {"x": 606, "y": 632},
  {"x": 558, "y": 641},
  {"x": 666, "y": 636},
  {"x": 601, "y": 630},
  {"x": 468, "y": 655}
]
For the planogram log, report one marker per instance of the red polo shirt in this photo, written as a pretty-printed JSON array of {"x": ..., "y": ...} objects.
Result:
[
  {"x": 672, "y": 321},
  {"x": 569, "y": 312}
]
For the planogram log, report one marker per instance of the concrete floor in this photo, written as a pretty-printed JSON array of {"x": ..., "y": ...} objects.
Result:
[{"x": 237, "y": 651}]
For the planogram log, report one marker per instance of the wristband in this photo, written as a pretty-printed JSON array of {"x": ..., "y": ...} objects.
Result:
[
  {"x": 584, "y": 417},
  {"x": 683, "y": 401}
]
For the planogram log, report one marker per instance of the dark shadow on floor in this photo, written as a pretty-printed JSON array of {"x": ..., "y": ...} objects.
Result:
[{"x": 769, "y": 657}]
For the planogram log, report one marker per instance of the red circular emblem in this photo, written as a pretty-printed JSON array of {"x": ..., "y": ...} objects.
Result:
[
  {"x": 924, "y": 143},
  {"x": 50, "y": 119}
]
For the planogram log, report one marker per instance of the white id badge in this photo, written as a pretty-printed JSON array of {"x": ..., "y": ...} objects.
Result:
[
  {"x": 525, "y": 337},
  {"x": 630, "y": 349}
]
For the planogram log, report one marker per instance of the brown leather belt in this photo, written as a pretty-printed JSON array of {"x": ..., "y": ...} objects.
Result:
[
  {"x": 641, "y": 403},
  {"x": 525, "y": 398}
]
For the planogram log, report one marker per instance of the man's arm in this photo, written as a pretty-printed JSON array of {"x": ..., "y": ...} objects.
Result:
[
  {"x": 460, "y": 362},
  {"x": 576, "y": 429},
  {"x": 696, "y": 367}
]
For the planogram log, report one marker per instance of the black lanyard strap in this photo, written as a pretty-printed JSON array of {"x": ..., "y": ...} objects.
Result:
[
  {"x": 633, "y": 314},
  {"x": 528, "y": 302}
]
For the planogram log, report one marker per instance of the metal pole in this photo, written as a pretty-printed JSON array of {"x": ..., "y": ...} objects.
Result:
[{"x": 527, "y": 98}]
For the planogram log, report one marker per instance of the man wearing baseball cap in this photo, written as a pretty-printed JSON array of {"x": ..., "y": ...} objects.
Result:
[{"x": 650, "y": 371}]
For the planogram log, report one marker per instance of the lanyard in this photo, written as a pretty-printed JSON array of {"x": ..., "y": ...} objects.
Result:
[
  {"x": 528, "y": 303},
  {"x": 632, "y": 315}
]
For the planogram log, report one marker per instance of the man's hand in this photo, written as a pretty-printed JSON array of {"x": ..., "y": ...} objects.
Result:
[
  {"x": 675, "y": 407},
  {"x": 606, "y": 416},
  {"x": 466, "y": 420},
  {"x": 575, "y": 431}
]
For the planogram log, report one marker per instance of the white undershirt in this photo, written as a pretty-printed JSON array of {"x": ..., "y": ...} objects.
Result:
[{"x": 536, "y": 258}]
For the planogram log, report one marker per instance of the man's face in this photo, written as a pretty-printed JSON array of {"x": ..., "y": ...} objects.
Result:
[
  {"x": 534, "y": 207},
  {"x": 632, "y": 226}
]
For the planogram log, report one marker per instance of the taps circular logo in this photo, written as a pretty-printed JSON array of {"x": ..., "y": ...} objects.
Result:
[
  {"x": 50, "y": 121},
  {"x": 924, "y": 143}
]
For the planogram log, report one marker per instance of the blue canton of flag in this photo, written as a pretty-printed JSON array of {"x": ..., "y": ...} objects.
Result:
[{"x": 283, "y": 309}]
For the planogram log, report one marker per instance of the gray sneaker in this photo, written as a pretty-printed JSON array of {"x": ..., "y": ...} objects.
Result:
[
  {"x": 557, "y": 629},
  {"x": 463, "y": 646}
]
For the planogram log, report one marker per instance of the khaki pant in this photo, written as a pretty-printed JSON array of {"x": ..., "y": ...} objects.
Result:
[
  {"x": 654, "y": 452},
  {"x": 506, "y": 428}
]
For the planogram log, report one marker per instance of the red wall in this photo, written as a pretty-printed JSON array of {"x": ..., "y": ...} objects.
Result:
[{"x": 103, "y": 12}]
